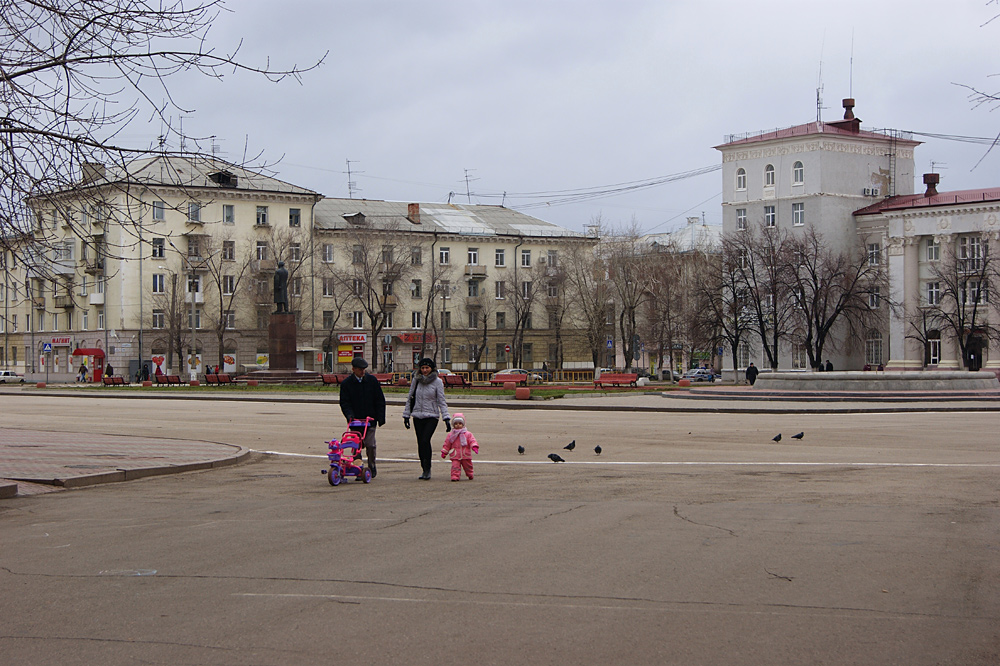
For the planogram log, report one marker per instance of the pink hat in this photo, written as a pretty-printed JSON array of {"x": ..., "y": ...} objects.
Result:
[{"x": 458, "y": 416}]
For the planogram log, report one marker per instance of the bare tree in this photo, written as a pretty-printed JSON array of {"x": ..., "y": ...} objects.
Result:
[
  {"x": 74, "y": 76},
  {"x": 227, "y": 265},
  {"x": 829, "y": 288},
  {"x": 170, "y": 315},
  {"x": 591, "y": 295},
  {"x": 627, "y": 263},
  {"x": 721, "y": 299}
]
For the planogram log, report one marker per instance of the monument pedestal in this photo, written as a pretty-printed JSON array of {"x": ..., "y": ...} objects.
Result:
[{"x": 281, "y": 341}]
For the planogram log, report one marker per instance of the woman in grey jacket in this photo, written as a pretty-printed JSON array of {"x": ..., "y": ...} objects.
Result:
[{"x": 425, "y": 404}]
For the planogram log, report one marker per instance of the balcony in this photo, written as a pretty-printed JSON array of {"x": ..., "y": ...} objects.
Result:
[
  {"x": 475, "y": 271},
  {"x": 390, "y": 301},
  {"x": 196, "y": 264},
  {"x": 94, "y": 266},
  {"x": 64, "y": 267},
  {"x": 263, "y": 266},
  {"x": 38, "y": 302},
  {"x": 97, "y": 298},
  {"x": 199, "y": 297},
  {"x": 64, "y": 301}
]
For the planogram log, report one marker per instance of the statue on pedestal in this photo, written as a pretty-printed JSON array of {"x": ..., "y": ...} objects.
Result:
[{"x": 281, "y": 289}]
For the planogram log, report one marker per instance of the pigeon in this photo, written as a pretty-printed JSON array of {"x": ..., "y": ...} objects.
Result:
[
  {"x": 555, "y": 457},
  {"x": 597, "y": 449},
  {"x": 776, "y": 438},
  {"x": 799, "y": 436},
  {"x": 520, "y": 449},
  {"x": 570, "y": 446}
]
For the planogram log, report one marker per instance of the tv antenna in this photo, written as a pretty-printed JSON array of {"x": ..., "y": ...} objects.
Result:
[
  {"x": 938, "y": 165},
  {"x": 468, "y": 179},
  {"x": 352, "y": 186}
]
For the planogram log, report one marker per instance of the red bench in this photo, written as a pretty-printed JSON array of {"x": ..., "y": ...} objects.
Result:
[
  {"x": 333, "y": 377},
  {"x": 456, "y": 380},
  {"x": 384, "y": 378},
  {"x": 115, "y": 381},
  {"x": 169, "y": 380},
  {"x": 221, "y": 378},
  {"x": 503, "y": 379},
  {"x": 616, "y": 379}
]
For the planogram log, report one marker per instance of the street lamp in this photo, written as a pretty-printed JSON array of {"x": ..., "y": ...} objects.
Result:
[{"x": 445, "y": 290}]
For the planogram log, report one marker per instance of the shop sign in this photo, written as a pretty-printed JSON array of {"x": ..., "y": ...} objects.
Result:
[
  {"x": 353, "y": 338},
  {"x": 416, "y": 338}
]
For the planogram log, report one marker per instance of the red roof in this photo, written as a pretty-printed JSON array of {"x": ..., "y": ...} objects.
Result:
[
  {"x": 836, "y": 128},
  {"x": 902, "y": 202}
]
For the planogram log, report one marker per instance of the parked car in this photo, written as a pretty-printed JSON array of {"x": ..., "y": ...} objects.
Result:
[
  {"x": 700, "y": 375},
  {"x": 600, "y": 371},
  {"x": 10, "y": 376},
  {"x": 533, "y": 377}
]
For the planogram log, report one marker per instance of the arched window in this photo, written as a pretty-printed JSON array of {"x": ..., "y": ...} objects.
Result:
[
  {"x": 873, "y": 348},
  {"x": 798, "y": 173},
  {"x": 741, "y": 179},
  {"x": 769, "y": 175}
]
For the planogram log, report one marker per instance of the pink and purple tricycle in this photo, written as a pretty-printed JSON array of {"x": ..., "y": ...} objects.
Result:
[{"x": 345, "y": 454}]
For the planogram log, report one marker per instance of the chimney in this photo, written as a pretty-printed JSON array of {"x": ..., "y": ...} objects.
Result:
[
  {"x": 413, "y": 212},
  {"x": 848, "y": 108},
  {"x": 91, "y": 172},
  {"x": 931, "y": 180}
]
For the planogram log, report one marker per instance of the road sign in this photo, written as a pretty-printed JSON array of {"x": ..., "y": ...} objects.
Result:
[
  {"x": 506, "y": 348},
  {"x": 47, "y": 347},
  {"x": 611, "y": 343}
]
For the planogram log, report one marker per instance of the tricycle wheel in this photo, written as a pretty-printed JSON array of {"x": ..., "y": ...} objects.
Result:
[
  {"x": 334, "y": 476},
  {"x": 367, "y": 475}
]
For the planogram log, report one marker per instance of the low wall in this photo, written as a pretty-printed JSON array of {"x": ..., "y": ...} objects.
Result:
[{"x": 943, "y": 380}]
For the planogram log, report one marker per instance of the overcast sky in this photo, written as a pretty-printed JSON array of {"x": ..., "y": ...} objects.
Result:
[{"x": 546, "y": 96}]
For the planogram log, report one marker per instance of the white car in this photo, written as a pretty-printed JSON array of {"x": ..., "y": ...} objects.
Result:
[
  {"x": 533, "y": 377},
  {"x": 10, "y": 376}
]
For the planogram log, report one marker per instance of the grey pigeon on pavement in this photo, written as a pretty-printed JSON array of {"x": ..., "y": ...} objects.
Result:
[
  {"x": 555, "y": 457},
  {"x": 597, "y": 449},
  {"x": 570, "y": 446},
  {"x": 777, "y": 438},
  {"x": 799, "y": 436},
  {"x": 520, "y": 449}
]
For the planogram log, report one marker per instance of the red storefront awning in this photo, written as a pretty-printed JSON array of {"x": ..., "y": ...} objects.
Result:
[{"x": 89, "y": 351}]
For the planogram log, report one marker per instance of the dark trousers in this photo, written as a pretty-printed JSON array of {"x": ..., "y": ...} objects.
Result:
[{"x": 425, "y": 430}]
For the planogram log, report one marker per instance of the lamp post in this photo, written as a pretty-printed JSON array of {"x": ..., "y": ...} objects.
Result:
[{"x": 445, "y": 290}]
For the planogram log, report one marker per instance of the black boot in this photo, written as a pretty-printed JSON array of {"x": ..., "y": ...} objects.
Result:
[
  {"x": 371, "y": 461},
  {"x": 426, "y": 475}
]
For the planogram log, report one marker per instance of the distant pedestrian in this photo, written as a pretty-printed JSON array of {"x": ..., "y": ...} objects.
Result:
[
  {"x": 829, "y": 366},
  {"x": 82, "y": 377},
  {"x": 751, "y": 374},
  {"x": 145, "y": 372},
  {"x": 109, "y": 371}
]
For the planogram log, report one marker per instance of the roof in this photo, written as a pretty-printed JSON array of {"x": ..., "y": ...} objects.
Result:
[
  {"x": 836, "y": 128},
  {"x": 903, "y": 202},
  {"x": 696, "y": 236},
  {"x": 191, "y": 171},
  {"x": 450, "y": 218}
]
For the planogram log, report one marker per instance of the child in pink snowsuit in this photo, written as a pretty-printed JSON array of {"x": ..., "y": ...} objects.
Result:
[{"x": 462, "y": 444}]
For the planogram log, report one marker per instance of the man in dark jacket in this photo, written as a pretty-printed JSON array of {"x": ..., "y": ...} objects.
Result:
[
  {"x": 360, "y": 396},
  {"x": 751, "y": 374}
]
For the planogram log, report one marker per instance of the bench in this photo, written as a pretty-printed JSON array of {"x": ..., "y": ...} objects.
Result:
[
  {"x": 333, "y": 377},
  {"x": 456, "y": 380},
  {"x": 169, "y": 380},
  {"x": 503, "y": 379},
  {"x": 384, "y": 378},
  {"x": 220, "y": 378},
  {"x": 616, "y": 379},
  {"x": 115, "y": 381}
]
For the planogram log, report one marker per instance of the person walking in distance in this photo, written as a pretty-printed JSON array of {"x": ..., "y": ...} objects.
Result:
[
  {"x": 426, "y": 404},
  {"x": 361, "y": 396},
  {"x": 751, "y": 374}
]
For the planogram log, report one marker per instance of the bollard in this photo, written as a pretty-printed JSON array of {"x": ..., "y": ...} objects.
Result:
[
  {"x": 509, "y": 386},
  {"x": 684, "y": 383},
  {"x": 40, "y": 385},
  {"x": 522, "y": 393}
]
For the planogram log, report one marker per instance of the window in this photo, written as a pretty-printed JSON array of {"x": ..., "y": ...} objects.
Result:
[
  {"x": 526, "y": 258},
  {"x": 262, "y": 252},
  {"x": 358, "y": 319},
  {"x": 446, "y": 354},
  {"x": 974, "y": 291},
  {"x": 158, "y": 283},
  {"x": 798, "y": 214},
  {"x": 85, "y": 323},
  {"x": 874, "y": 297},
  {"x": 873, "y": 348},
  {"x": 295, "y": 252},
  {"x": 328, "y": 320},
  {"x": 553, "y": 256},
  {"x": 552, "y": 290},
  {"x": 84, "y": 285},
  {"x": 100, "y": 320},
  {"x": 194, "y": 246},
  {"x": 159, "y": 210},
  {"x": 387, "y": 255},
  {"x": 500, "y": 258},
  {"x": 526, "y": 353},
  {"x": 158, "y": 318},
  {"x": 473, "y": 288},
  {"x": 741, "y": 219},
  {"x": 934, "y": 348},
  {"x": 158, "y": 247},
  {"x": 800, "y": 359},
  {"x": 526, "y": 289},
  {"x": 263, "y": 318},
  {"x": 228, "y": 285},
  {"x": 329, "y": 286},
  {"x": 553, "y": 319},
  {"x": 194, "y": 212},
  {"x": 387, "y": 320},
  {"x": 874, "y": 254},
  {"x": 501, "y": 353},
  {"x": 387, "y": 287},
  {"x": 444, "y": 256},
  {"x": 445, "y": 288},
  {"x": 501, "y": 320},
  {"x": 741, "y": 179},
  {"x": 228, "y": 214},
  {"x": 769, "y": 176},
  {"x": 417, "y": 319},
  {"x": 473, "y": 319},
  {"x": 194, "y": 284},
  {"x": 970, "y": 252},
  {"x": 416, "y": 288},
  {"x": 798, "y": 173},
  {"x": 197, "y": 318},
  {"x": 933, "y": 250},
  {"x": 294, "y": 217},
  {"x": 446, "y": 319},
  {"x": 933, "y": 293},
  {"x": 327, "y": 253},
  {"x": 770, "y": 217},
  {"x": 228, "y": 250},
  {"x": 473, "y": 256},
  {"x": 527, "y": 321},
  {"x": 262, "y": 216},
  {"x": 358, "y": 287},
  {"x": 498, "y": 288},
  {"x": 473, "y": 353},
  {"x": 229, "y": 319}
]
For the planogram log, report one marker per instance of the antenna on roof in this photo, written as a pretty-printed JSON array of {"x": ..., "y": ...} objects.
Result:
[
  {"x": 819, "y": 83},
  {"x": 352, "y": 186},
  {"x": 183, "y": 143},
  {"x": 468, "y": 191},
  {"x": 850, "y": 86},
  {"x": 938, "y": 165}
]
